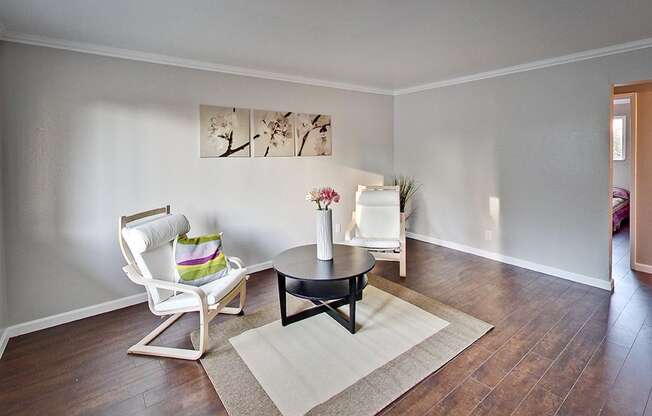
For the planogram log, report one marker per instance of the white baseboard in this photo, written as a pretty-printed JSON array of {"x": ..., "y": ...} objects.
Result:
[
  {"x": 640, "y": 267},
  {"x": 75, "y": 315},
  {"x": 4, "y": 339},
  {"x": 254, "y": 268},
  {"x": 552, "y": 271},
  {"x": 88, "y": 311}
]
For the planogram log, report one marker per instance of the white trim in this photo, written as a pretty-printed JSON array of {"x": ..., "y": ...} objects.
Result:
[
  {"x": 133, "y": 55},
  {"x": 88, "y": 311},
  {"x": 181, "y": 62},
  {"x": 609, "y": 191},
  {"x": 4, "y": 339},
  {"x": 552, "y": 271},
  {"x": 640, "y": 267},
  {"x": 75, "y": 315},
  {"x": 633, "y": 195},
  {"x": 254, "y": 268},
  {"x": 621, "y": 101},
  {"x": 530, "y": 66}
]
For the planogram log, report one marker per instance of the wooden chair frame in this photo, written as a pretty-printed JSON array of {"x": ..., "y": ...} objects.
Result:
[
  {"x": 206, "y": 312},
  {"x": 399, "y": 256}
]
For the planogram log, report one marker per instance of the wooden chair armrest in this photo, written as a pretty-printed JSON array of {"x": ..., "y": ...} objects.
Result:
[
  {"x": 135, "y": 276},
  {"x": 237, "y": 260}
]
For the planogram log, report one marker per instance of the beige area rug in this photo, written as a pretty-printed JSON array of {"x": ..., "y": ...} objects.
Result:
[{"x": 317, "y": 367}]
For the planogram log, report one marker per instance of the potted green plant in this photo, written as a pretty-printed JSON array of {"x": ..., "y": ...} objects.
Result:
[{"x": 407, "y": 187}]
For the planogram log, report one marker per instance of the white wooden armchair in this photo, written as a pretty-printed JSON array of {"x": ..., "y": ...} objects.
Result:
[
  {"x": 378, "y": 225},
  {"x": 146, "y": 240}
]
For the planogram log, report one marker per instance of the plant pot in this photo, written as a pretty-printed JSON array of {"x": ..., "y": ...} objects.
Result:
[{"x": 324, "y": 234}]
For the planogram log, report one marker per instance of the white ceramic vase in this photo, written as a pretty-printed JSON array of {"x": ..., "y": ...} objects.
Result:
[{"x": 324, "y": 235}]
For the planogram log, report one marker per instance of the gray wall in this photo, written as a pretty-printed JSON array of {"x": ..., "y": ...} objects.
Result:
[
  {"x": 538, "y": 141},
  {"x": 89, "y": 138},
  {"x": 623, "y": 168}
]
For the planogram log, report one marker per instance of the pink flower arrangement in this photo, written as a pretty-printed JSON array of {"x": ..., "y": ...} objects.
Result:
[{"x": 323, "y": 197}]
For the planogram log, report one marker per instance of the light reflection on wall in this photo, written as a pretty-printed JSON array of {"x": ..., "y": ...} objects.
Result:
[{"x": 494, "y": 209}]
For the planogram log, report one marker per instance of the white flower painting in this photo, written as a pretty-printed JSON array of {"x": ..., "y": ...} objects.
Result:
[
  {"x": 224, "y": 131},
  {"x": 273, "y": 133},
  {"x": 314, "y": 136}
]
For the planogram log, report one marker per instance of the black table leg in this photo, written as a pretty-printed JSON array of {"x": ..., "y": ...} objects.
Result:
[
  {"x": 353, "y": 294},
  {"x": 281, "y": 298},
  {"x": 360, "y": 284}
]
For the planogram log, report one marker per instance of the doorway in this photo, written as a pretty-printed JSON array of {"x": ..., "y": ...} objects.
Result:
[
  {"x": 631, "y": 169},
  {"x": 622, "y": 179}
]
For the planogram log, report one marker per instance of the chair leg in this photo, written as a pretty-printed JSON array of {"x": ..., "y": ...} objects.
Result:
[
  {"x": 142, "y": 347},
  {"x": 241, "y": 290},
  {"x": 402, "y": 261},
  {"x": 204, "y": 320},
  {"x": 243, "y": 297}
]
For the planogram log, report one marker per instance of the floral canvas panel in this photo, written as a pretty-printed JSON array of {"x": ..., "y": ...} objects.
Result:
[
  {"x": 224, "y": 131},
  {"x": 314, "y": 135},
  {"x": 273, "y": 133}
]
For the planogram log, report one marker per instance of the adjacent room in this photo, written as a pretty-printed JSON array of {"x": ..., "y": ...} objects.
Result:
[
  {"x": 219, "y": 207},
  {"x": 632, "y": 112},
  {"x": 622, "y": 177}
]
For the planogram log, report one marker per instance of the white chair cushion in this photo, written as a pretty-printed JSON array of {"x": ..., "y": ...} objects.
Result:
[
  {"x": 378, "y": 214},
  {"x": 152, "y": 234},
  {"x": 375, "y": 243},
  {"x": 150, "y": 242},
  {"x": 158, "y": 264},
  {"x": 378, "y": 197},
  {"x": 214, "y": 290}
]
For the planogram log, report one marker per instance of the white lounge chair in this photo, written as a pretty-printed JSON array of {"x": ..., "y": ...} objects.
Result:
[
  {"x": 146, "y": 240},
  {"x": 378, "y": 225}
]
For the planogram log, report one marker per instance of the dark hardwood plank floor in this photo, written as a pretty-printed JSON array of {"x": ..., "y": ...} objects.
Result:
[{"x": 557, "y": 348}]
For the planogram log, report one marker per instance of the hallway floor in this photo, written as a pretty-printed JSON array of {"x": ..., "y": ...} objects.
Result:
[{"x": 620, "y": 253}]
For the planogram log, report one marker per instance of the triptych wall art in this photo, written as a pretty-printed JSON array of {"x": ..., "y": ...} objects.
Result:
[{"x": 240, "y": 132}]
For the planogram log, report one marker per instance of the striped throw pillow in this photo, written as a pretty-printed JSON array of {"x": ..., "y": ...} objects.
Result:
[{"x": 200, "y": 260}]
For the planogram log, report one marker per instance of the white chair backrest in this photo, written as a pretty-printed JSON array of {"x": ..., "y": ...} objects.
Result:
[
  {"x": 150, "y": 243},
  {"x": 378, "y": 212}
]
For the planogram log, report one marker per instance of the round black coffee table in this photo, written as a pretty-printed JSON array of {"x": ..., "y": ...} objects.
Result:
[{"x": 328, "y": 284}]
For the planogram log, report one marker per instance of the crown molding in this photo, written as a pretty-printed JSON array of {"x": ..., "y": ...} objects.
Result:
[
  {"x": 133, "y": 55},
  {"x": 544, "y": 63}
]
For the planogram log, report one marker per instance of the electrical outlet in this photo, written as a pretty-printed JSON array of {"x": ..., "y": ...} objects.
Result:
[
  {"x": 338, "y": 228},
  {"x": 488, "y": 235}
]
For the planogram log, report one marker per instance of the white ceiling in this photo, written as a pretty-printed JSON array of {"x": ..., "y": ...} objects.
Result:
[{"x": 387, "y": 44}]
